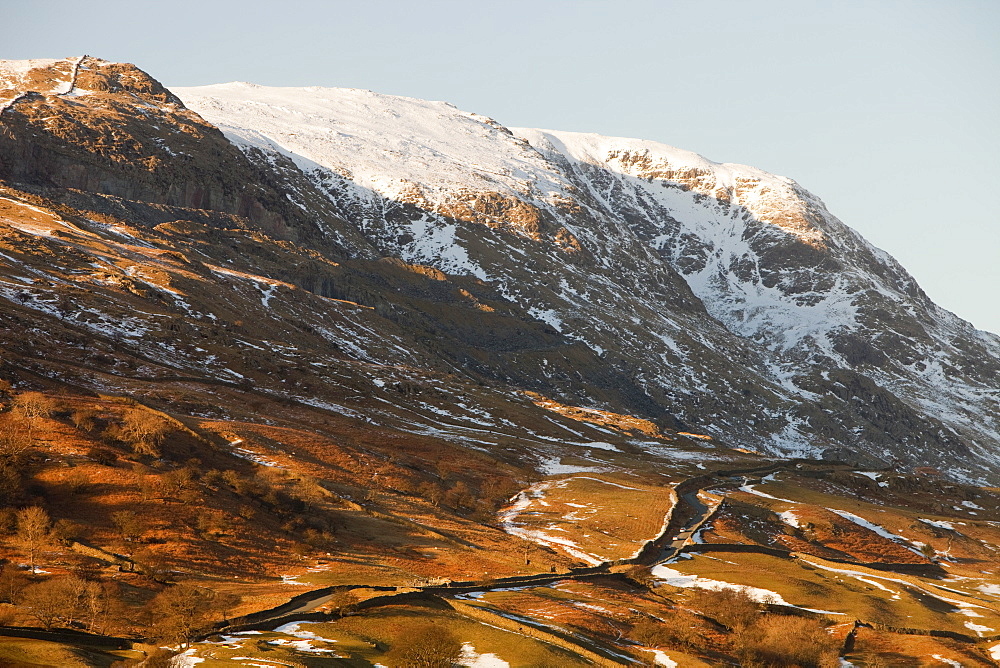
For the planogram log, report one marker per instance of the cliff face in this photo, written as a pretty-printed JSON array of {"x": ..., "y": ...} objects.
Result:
[
  {"x": 101, "y": 128},
  {"x": 613, "y": 273}
]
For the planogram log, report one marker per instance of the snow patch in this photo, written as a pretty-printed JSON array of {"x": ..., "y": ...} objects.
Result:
[
  {"x": 660, "y": 658},
  {"x": 749, "y": 489},
  {"x": 185, "y": 659},
  {"x": 470, "y": 658},
  {"x": 677, "y": 579},
  {"x": 978, "y": 628},
  {"x": 554, "y": 466},
  {"x": 881, "y": 531},
  {"x": 789, "y": 517}
]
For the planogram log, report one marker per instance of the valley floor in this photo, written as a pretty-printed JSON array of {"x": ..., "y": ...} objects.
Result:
[{"x": 694, "y": 557}]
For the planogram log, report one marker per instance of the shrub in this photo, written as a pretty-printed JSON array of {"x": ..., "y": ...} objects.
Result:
[
  {"x": 130, "y": 527},
  {"x": 426, "y": 646},
  {"x": 66, "y": 531},
  {"x": 150, "y": 487},
  {"x": 642, "y": 576},
  {"x": 212, "y": 478},
  {"x": 152, "y": 565},
  {"x": 157, "y": 658},
  {"x": 460, "y": 497},
  {"x": 432, "y": 492},
  {"x": 733, "y": 608},
  {"x": 778, "y": 641},
  {"x": 496, "y": 491},
  {"x": 102, "y": 456},
  {"x": 231, "y": 478},
  {"x": 83, "y": 419},
  {"x": 175, "y": 481},
  {"x": 8, "y": 521},
  {"x": 208, "y": 523},
  {"x": 77, "y": 481},
  {"x": 12, "y": 488},
  {"x": 144, "y": 431},
  {"x": 678, "y": 630}
]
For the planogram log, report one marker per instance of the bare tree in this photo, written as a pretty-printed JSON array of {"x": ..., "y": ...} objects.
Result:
[
  {"x": 11, "y": 481},
  {"x": 77, "y": 591},
  {"x": 130, "y": 526},
  {"x": 103, "y": 606},
  {"x": 33, "y": 405},
  {"x": 33, "y": 529},
  {"x": 71, "y": 599},
  {"x": 12, "y": 583},
  {"x": 178, "y": 612},
  {"x": 15, "y": 436},
  {"x": 47, "y": 601},
  {"x": 224, "y": 603},
  {"x": 144, "y": 430},
  {"x": 83, "y": 419}
]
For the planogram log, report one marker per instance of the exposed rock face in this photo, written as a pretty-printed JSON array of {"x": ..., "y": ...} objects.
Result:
[
  {"x": 105, "y": 128},
  {"x": 613, "y": 273}
]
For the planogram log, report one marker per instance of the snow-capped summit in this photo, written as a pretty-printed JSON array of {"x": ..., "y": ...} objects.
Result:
[{"x": 619, "y": 243}]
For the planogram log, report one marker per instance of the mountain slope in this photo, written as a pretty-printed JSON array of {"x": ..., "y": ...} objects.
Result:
[
  {"x": 346, "y": 348},
  {"x": 731, "y": 297},
  {"x": 613, "y": 273}
]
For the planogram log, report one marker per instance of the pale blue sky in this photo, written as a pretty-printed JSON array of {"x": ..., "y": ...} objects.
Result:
[{"x": 888, "y": 110}]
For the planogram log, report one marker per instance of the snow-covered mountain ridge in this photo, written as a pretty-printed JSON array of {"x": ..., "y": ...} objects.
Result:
[
  {"x": 611, "y": 273},
  {"x": 805, "y": 293}
]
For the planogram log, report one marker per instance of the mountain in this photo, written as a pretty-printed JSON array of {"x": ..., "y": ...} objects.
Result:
[
  {"x": 282, "y": 356},
  {"x": 706, "y": 297},
  {"x": 730, "y": 299}
]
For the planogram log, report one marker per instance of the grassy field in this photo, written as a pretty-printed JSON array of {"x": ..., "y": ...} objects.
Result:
[
  {"x": 916, "y": 651},
  {"x": 364, "y": 641},
  {"x": 904, "y": 601},
  {"x": 22, "y": 652},
  {"x": 604, "y": 516}
]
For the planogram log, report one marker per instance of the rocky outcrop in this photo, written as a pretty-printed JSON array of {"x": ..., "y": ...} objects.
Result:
[{"x": 113, "y": 130}]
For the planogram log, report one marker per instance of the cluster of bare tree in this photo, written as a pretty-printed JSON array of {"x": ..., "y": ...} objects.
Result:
[
  {"x": 18, "y": 429},
  {"x": 72, "y": 601},
  {"x": 180, "y": 612},
  {"x": 754, "y": 637},
  {"x": 140, "y": 428},
  {"x": 174, "y": 616}
]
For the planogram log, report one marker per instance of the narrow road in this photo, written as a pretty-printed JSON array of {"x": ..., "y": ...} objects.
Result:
[
  {"x": 700, "y": 514},
  {"x": 690, "y": 510}
]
